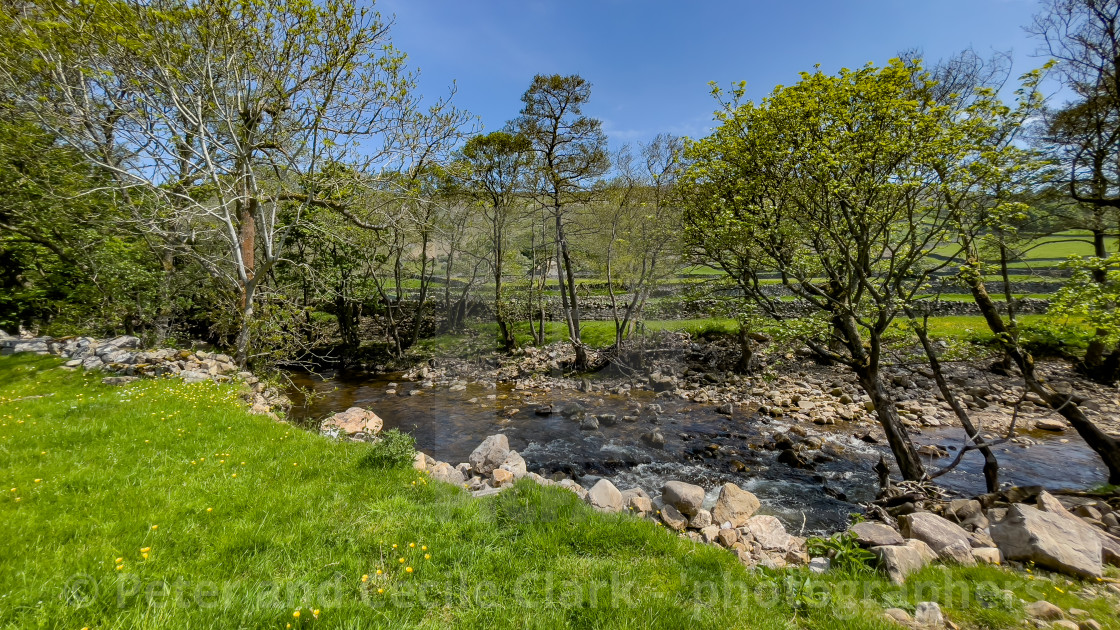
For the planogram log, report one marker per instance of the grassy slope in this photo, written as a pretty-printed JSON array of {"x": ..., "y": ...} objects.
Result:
[{"x": 247, "y": 520}]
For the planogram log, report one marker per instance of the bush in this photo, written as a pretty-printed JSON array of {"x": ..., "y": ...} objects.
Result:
[{"x": 392, "y": 450}]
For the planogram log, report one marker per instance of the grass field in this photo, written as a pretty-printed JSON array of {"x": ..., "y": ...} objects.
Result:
[{"x": 160, "y": 504}]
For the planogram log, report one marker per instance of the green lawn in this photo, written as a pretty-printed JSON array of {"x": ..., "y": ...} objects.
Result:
[{"x": 160, "y": 504}]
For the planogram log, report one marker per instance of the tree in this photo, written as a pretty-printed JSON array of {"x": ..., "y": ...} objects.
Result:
[
  {"x": 213, "y": 116},
  {"x": 835, "y": 184},
  {"x": 571, "y": 154},
  {"x": 494, "y": 168},
  {"x": 639, "y": 222}
]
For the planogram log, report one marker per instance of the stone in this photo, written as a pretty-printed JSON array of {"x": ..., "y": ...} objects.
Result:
[
  {"x": 899, "y": 561},
  {"x": 727, "y": 536},
  {"x": 968, "y": 513},
  {"x": 515, "y": 464},
  {"x": 1048, "y": 540},
  {"x": 820, "y": 566},
  {"x": 986, "y": 555},
  {"x": 869, "y": 534},
  {"x": 898, "y": 615},
  {"x": 1044, "y": 610},
  {"x": 574, "y": 488},
  {"x": 673, "y": 518},
  {"x": 686, "y": 497},
  {"x": 502, "y": 477},
  {"x": 119, "y": 380},
  {"x": 420, "y": 461},
  {"x": 1110, "y": 545},
  {"x": 709, "y": 533},
  {"x": 444, "y": 472},
  {"x": 1047, "y": 424},
  {"x": 929, "y": 614},
  {"x": 589, "y": 423},
  {"x": 604, "y": 496},
  {"x": 702, "y": 519},
  {"x": 490, "y": 454},
  {"x": 734, "y": 505},
  {"x": 947, "y": 539},
  {"x": 1065, "y": 624},
  {"x": 354, "y": 421},
  {"x": 654, "y": 438},
  {"x": 1089, "y": 624},
  {"x": 768, "y": 532},
  {"x": 639, "y": 505}
]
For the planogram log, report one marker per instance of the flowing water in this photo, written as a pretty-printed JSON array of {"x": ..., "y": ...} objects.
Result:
[{"x": 702, "y": 446}]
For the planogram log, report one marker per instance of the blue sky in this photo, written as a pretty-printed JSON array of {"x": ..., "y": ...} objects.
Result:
[{"x": 650, "y": 61}]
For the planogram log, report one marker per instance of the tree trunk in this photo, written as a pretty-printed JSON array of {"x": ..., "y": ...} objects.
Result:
[
  {"x": 566, "y": 275},
  {"x": 746, "y": 351},
  {"x": 991, "y": 465},
  {"x": 909, "y": 462},
  {"x": 1107, "y": 447}
]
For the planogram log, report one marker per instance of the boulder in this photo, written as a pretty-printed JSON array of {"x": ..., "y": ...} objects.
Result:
[
  {"x": 986, "y": 555},
  {"x": 820, "y": 565},
  {"x": 709, "y": 533},
  {"x": 899, "y": 561},
  {"x": 727, "y": 536},
  {"x": 574, "y": 488},
  {"x": 639, "y": 505},
  {"x": 673, "y": 518},
  {"x": 768, "y": 532},
  {"x": 734, "y": 505},
  {"x": 947, "y": 539},
  {"x": 502, "y": 477},
  {"x": 515, "y": 464},
  {"x": 353, "y": 421},
  {"x": 702, "y": 519},
  {"x": 898, "y": 616},
  {"x": 1049, "y": 540},
  {"x": 654, "y": 438},
  {"x": 1044, "y": 610},
  {"x": 870, "y": 534},
  {"x": 605, "y": 497},
  {"x": 490, "y": 454},
  {"x": 968, "y": 513},
  {"x": 929, "y": 614},
  {"x": 1110, "y": 545},
  {"x": 446, "y": 473},
  {"x": 686, "y": 497}
]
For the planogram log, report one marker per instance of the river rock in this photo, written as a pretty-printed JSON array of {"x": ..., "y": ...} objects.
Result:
[
  {"x": 673, "y": 518},
  {"x": 702, "y": 519},
  {"x": 968, "y": 513},
  {"x": 768, "y": 532},
  {"x": 573, "y": 487},
  {"x": 1049, "y": 424},
  {"x": 1044, "y": 610},
  {"x": 490, "y": 454},
  {"x": 728, "y": 536},
  {"x": 734, "y": 505},
  {"x": 1049, "y": 540},
  {"x": 869, "y": 534},
  {"x": 1110, "y": 545},
  {"x": 604, "y": 496},
  {"x": 899, "y": 561},
  {"x": 589, "y": 423},
  {"x": 987, "y": 555},
  {"x": 947, "y": 539},
  {"x": 444, "y": 472},
  {"x": 515, "y": 464},
  {"x": 686, "y": 497},
  {"x": 502, "y": 478},
  {"x": 929, "y": 614},
  {"x": 898, "y": 615},
  {"x": 354, "y": 421},
  {"x": 654, "y": 438}
]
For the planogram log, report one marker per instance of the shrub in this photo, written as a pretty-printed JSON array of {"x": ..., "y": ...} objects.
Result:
[{"x": 392, "y": 450}]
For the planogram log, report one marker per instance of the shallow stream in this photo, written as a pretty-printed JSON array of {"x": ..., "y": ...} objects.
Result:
[{"x": 702, "y": 446}]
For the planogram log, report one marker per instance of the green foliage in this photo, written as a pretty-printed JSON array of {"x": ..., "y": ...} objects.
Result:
[
  {"x": 392, "y": 449},
  {"x": 844, "y": 552}
]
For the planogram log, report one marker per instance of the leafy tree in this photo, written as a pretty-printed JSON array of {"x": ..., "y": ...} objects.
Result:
[
  {"x": 835, "y": 185},
  {"x": 570, "y": 152},
  {"x": 211, "y": 116},
  {"x": 493, "y": 172}
]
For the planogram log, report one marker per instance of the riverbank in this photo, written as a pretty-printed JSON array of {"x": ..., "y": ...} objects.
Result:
[{"x": 134, "y": 508}]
